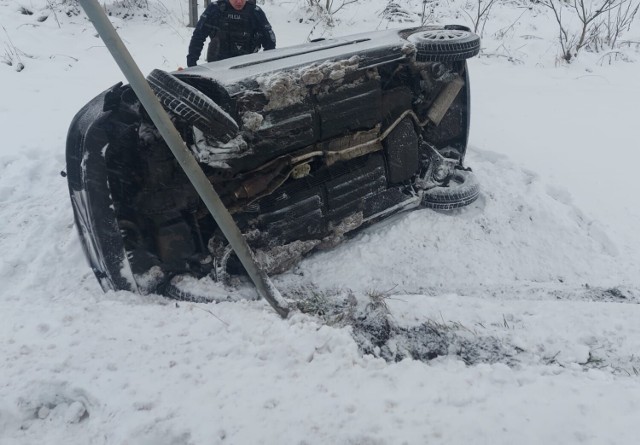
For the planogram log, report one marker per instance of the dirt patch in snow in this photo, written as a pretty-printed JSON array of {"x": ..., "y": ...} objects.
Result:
[{"x": 376, "y": 332}]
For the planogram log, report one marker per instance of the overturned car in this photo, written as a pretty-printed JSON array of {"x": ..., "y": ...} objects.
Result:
[{"x": 303, "y": 144}]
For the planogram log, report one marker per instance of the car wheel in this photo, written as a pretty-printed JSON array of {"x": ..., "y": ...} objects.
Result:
[
  {"x": 192, "y": 105},
  {"x": 462, "y": 190},
  {"x": 448, "y": 44}
]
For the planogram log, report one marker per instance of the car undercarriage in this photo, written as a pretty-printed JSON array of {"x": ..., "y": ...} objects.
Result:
[{"x": 301, "y": 155}]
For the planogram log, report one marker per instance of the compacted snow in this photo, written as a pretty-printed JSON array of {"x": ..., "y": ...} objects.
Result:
[{"x": 522, "y": 308}]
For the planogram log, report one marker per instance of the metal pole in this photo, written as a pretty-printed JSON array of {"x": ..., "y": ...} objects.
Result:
[
  {"x": 161, "y": 119},
  {"x": 193, "y": 13}
]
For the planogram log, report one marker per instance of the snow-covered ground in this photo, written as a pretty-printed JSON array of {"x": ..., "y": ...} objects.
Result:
[{"x": 533, "y": 290}]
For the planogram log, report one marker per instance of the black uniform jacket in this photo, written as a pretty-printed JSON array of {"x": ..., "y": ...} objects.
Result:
[{"x": 232, "y": 33}]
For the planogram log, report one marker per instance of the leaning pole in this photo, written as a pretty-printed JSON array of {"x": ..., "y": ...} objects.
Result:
[{"x": 168, "y": 131}]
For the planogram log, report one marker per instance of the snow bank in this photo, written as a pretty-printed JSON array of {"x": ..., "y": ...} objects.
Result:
[{"x": 545, "y": 264}]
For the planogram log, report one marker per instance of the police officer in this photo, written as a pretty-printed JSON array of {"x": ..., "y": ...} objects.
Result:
[{"x": 235, "y": 27}]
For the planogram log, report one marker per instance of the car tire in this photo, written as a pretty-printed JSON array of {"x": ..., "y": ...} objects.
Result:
[
  {"x": 448, "y": 44},
  {"x": 193, "y": 106},
  {"x": 463, "y": 189},
  {"x": 175, "y": 293}
]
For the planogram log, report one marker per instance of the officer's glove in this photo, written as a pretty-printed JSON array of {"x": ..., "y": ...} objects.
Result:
[{"x": 191, "y": 61}]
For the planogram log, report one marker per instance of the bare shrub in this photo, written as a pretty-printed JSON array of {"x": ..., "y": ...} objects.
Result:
[
  {"x": 394, "y": 12},
  {"x": 479, "y": 14},
  {"x": 53, "y": 10},
  {"x": 503, "y": 32},
  {"x": 428, "y": 12},
  {"x": 12, "y": 55},
  {"x": 326, "y": 9},
  {"x": 69, "y": 8},
  {"x": 119, "y": 8},
  {"x": 618, "y": 21},
  {"x": 132, "y": 4},
  {"x": 611, "y": 57},
  {"x": 598, "y": 24}
]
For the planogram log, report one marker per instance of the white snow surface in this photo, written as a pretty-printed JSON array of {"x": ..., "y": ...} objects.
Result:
[{"x": 546, "y": 262}]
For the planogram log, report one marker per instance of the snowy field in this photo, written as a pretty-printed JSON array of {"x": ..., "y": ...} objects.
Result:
[{"x": 529, "y": 296}]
